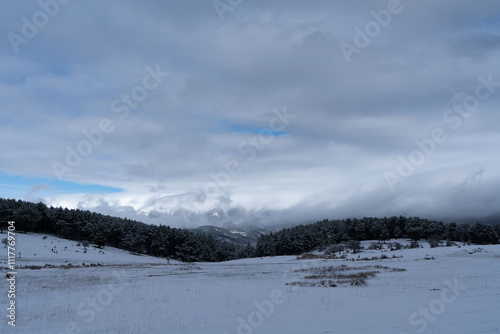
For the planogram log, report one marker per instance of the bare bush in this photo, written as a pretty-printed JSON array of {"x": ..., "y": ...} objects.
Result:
[
  {"x": 355, "y": 245},
  {"x": 433, "y": 242},
  {"x": 309, "y": 256},
  {"x": 375, "y": 246},
  {"x": 412, "y": 245},
  {"x": 337, "y": 248},
  {"x": 341, "y": 275},
  {"x": 396, "y": 246}
]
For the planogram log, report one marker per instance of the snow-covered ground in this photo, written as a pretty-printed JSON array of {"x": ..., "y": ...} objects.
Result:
[
  {"x": 41, "y": 249},
  {"x": 443, "y": 290}
]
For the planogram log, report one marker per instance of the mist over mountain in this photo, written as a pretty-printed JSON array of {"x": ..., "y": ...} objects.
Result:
[{"x": 161, "y": 211}]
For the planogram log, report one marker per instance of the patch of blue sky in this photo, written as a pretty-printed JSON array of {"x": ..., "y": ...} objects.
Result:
[
  {"x": 19, "y": 187},
  {"x": 487, "y": 26},
  {"x": 14, "y": 79},
  {"x": 241, "y": 128}
]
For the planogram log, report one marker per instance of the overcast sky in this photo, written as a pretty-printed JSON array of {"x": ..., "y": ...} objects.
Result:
[{"x": 193, "y": 112}]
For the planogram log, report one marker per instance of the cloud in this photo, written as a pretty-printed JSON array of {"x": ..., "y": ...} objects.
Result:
[
  {"x": 476, "y": 45},
  {"x": 36, "y": 188},
  {"x": 353, "y": 120}
]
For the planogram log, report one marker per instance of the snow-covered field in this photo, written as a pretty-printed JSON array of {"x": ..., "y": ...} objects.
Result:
[{"x": 443, "y": 290}]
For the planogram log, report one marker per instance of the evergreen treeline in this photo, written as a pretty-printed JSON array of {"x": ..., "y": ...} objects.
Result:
[
  {"x": 137, "y": 237},
  {"x": 304, "y": 238}
]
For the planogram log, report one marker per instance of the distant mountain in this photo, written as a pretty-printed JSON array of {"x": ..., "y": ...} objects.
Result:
[{"x": 237, "y": 235}]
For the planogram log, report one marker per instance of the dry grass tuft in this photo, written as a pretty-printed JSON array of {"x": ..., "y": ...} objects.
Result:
[{"x": 342, "y": 275}]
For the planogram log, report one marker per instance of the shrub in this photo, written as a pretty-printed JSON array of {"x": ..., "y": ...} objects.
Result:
[
  {"x": 397, "y": 246},
  {"x": 44, "y": 237},
  {"x": 375, "y": 245},
  {"x": 433, "y": 242},
  {"x": 355, "y": 245},
  {"x": 398, "y": 270},
  {"x": 360, "y": 281},
  {"x": 85, "y": 243},
  {"x": 308, "y": 256},
  {"x": 414, "y": 244},
  {"x": 334, "y": 249}
]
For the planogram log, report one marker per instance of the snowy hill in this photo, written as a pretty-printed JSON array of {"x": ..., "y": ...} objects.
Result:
[
  {"x": 41, "y": 249},
  {"x": 432, "y": 290}
]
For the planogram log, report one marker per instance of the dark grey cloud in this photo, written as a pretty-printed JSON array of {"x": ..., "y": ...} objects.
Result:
[{"x": 476, "y": 45}]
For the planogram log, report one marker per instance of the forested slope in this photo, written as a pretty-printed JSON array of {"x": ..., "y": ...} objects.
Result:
[{"x": 187, "y": 245}]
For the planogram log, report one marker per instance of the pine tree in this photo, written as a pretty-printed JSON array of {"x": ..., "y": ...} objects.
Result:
[
  {"x": 483, "y": 234},
  {"x": 384, "y": 234},
  {"x": 100, "y": 239},
  {"x": 26, "y": 216},
  {"x": 398, "y": 233}
]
